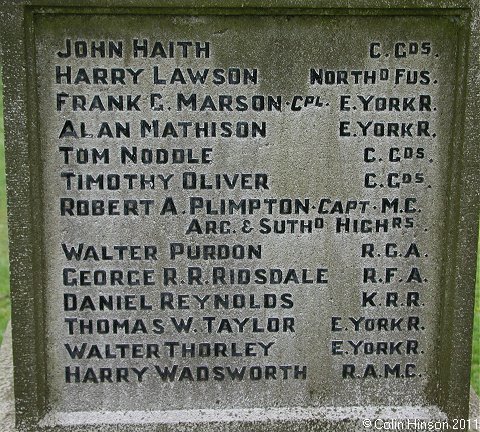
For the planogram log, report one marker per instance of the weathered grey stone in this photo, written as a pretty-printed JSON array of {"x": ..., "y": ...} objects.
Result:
[
  {"x": 7, "y": 404},
  {"x": 341, "y": 143},
  {"x": 474, "y": 410},
  {"x": 7, "y": 401}
]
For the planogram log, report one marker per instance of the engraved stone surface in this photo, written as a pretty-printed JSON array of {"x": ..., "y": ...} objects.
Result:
[
  {"x": 300, "y": 251},
  {"x": 248, "y": 219}
]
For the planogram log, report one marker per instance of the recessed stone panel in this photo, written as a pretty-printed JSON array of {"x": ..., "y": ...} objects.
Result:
[{"x": 247, "y": 215}]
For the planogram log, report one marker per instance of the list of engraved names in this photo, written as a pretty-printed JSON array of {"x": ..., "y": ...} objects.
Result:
[{"x": 243, "y": 211}]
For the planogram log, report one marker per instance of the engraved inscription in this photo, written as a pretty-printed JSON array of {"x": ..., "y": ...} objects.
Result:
[{"x": 235, "y": 202}]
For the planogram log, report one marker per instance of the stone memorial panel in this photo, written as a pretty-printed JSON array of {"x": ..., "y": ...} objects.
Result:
[{"x": 229, "y": 218}]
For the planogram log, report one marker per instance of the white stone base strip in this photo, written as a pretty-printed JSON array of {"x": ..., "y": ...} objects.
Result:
[{"x": 7, "y": 407}]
